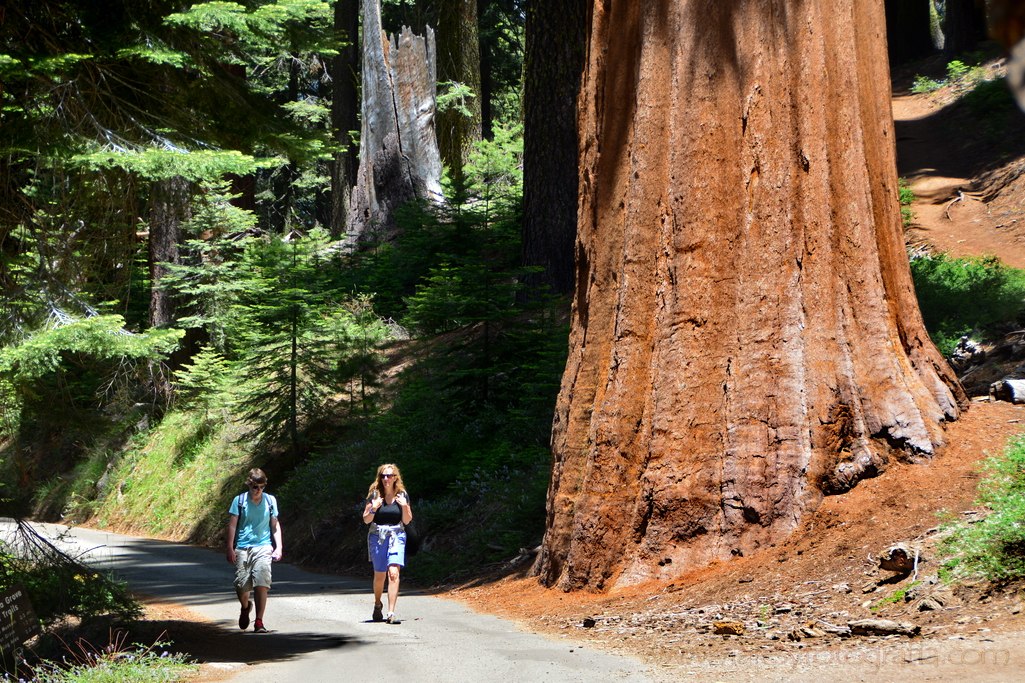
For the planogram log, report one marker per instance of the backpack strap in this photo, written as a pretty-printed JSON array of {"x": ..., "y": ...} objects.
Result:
[{"x": 238, "y": 524}]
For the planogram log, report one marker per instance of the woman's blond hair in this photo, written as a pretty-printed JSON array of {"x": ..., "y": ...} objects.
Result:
[{"x": 375, "y": 486}]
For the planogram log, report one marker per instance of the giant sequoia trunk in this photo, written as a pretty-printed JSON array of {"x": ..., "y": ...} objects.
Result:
[{"x": 745, "y": 335}]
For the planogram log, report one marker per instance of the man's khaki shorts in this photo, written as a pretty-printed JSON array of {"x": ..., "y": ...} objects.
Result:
[{"x": 252, "y": 567}]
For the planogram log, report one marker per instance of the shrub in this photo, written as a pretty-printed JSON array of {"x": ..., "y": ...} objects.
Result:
[
  {"x": 924, "y": 84},
  {"x": 59, "y": 585},
  {"x": 115, "y": 662},
  {"x": 906, "y": 196},
  {"x": 994, "y": 548}
]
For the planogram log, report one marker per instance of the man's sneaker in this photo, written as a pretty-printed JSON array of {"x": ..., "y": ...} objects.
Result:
[
  {"x": 243, "y": 617},
  {"x": 378, "y": 612},
  {"x": 258, "y": 627},
  {"x": 391, "y": 618}
]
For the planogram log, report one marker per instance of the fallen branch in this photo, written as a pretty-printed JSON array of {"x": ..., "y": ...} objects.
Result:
[{"x": 958, "y": 198}]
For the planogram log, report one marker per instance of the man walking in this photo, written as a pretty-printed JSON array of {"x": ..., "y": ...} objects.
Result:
[{"x": 254, "y": 541}]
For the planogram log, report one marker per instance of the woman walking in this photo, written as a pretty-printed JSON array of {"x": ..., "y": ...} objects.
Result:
[{"x": 387, "y": 511}]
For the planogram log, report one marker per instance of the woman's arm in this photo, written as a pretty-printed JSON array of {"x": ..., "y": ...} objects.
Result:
[
  {"x": 370, "y": 508},
  {"x": 407, "y": 509}
]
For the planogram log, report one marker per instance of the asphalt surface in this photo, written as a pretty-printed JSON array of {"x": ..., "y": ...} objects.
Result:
[{"x": 320, "y": 625}]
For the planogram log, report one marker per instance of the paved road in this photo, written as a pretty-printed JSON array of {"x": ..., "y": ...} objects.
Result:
[{"x": 320, "y": 626}]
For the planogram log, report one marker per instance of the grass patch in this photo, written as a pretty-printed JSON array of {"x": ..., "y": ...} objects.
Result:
[
  {"x": 178, "y": 480},
  {"x": 898, "y": 596},
  {"x": 993, "y": 548}
]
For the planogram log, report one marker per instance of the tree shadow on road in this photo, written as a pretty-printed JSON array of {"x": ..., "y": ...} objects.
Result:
[{"x": 202, "y": 641}]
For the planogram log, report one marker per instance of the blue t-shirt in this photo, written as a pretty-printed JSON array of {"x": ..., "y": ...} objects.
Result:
[{"x": 253, "y": 527}]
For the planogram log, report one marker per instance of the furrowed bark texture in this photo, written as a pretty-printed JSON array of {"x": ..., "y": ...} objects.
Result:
[
  {"x": 398, "y": 154},
  {"x": 745, "y": 335}
]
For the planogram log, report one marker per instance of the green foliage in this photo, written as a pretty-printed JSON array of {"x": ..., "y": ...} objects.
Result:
[
  {"x": 906, "y": 197},
  {"x": 961, "y": 78},
  {"x": 298, "y": 342},
  {"x": 35, "y": 371},
  {"x": 359, "y": 335},
  {"x": 201, "y": 383},
  {"x": 924, "y": 84},
  {"x": 898, "y": 596},
  {"x": 994, "y": 547},
  {"x": 162, "y": 164},
  {"x": 964, "y": 76},
  {"x": 453, "y": 95},
  {"x": 959, "y": 296},
  {"x": 101, "y": 336},
  {"x": 209, "y": 277},
  {"x": 117, "y": 662}
]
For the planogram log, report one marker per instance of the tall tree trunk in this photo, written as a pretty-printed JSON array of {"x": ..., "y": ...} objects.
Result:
[
  {"x": 964, "y": 24},
  {"x": 459, "y": 61},
  {"x": 745, "y": 336},
  {"x": 908, "y": 29},
  {"x": 556, "y": 38},
  {"x": 398, "y": 154},
  {"x": 344, "y": 112},
  {"x": 169, "y": 208},
  {"x": 487, "y": 78}
]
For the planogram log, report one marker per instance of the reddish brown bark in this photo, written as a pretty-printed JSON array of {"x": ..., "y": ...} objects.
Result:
[{"x": 745, "y": 335}]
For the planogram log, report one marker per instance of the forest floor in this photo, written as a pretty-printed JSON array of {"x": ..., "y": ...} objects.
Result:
[{"x": 788, "y": 605}]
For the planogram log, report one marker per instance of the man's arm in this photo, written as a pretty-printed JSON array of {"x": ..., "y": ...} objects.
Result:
[
  {"x": 275, "y": 528},
  {"x": 230, "y": 531}
]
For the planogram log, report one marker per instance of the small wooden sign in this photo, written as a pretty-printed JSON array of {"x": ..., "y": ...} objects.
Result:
[{"x": 18, "y": 623}]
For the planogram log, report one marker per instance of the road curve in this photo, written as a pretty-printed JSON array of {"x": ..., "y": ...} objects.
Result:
[{"x": 320, "y": 627}]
